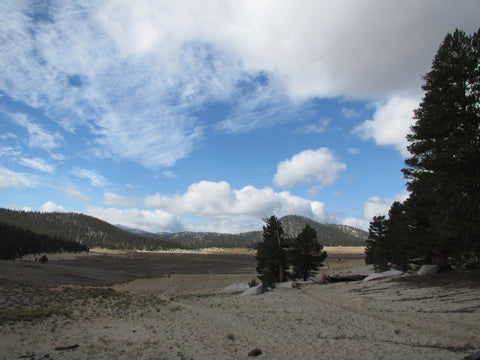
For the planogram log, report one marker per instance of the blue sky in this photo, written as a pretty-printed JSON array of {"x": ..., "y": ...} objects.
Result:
[{"x": 211, "y": 115}]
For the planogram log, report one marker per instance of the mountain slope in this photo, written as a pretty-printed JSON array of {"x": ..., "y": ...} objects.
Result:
[
  {"x": 83, "y": 229},
  {"x": 327, "y": 234}
]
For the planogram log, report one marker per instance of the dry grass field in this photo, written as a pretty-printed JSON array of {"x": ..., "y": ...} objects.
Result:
[{"x": 175, "y": 306}]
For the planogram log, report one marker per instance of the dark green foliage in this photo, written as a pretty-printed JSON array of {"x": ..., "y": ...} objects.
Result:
[
  {"x": 83, "y": 229},
  {"x": 271, "y": 253},
  {"x": 444, "y": 170},
  {"x": 306, "y": 254},
  {"x": 16, "y": 242},
  {"x": 440, "y": 221},
  {"x": 377, "y": 251}
]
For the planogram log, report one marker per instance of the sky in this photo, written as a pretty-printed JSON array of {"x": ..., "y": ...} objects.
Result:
[{"x": 211, "y": 115}]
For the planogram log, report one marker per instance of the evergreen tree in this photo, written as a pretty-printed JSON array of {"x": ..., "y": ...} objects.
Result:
[
  {"x": 398, "y": 237},
  {"x": 307, "y": 254},
  {"x": 444, "y": 170},
  {"x": 377, "y": 251},
  {"x": 271, "y": 253}
]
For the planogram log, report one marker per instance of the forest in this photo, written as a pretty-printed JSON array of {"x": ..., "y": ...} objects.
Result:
[
  {"x": 440, "y": 221},
  {"x": 16, "y": 242}
]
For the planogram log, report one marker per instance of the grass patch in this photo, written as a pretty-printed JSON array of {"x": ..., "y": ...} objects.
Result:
[{"x": 40, "y": 312}]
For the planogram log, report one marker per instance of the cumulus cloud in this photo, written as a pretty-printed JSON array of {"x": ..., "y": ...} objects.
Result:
[
  {"x": 314, "y": 167},
  {"x": 51, "y": 207},
  {"x": 208, "y": 199},
  {"x": 153, "y": 221},
  {"x": 374, "y": 206},
  {"x": 95, "y": 178},
  {"x": 391, "y": 123}
]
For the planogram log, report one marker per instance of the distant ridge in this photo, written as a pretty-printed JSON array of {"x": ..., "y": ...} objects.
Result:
[
  {"x": 94, "y": 232},
  {"x": 327, "y": 234},
  {"x": 83, "y": 229}
]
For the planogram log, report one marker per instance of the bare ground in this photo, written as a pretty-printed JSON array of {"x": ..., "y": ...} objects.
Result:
[{"x": 127, "y": 306}]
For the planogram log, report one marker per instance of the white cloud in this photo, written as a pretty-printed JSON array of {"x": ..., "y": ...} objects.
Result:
[
  {"x": 95, "y": 178},
  {"x": 315, "y": 128},
  {"x": 134, "y": 71},
  {"x": 170, "y": 174},
  {"x": 153, "y": 221},
  {"x": 38, "y": 136},
  {"x": 217, "y": 200},
  {"x": 8, "y": 135},
  {"x": 72, "y": 193},
  {"x": 17, "y": 180},
  {"x": 350, "y": 113},
  {"x": 316, "y": 167},
  {"x": 37, "y": 163},
  {"x": 52, "y": 207},
  {"x": 374, "y": 206},
  {"x": 113, "y": 199},
  {"x": 391, "y": 123}
]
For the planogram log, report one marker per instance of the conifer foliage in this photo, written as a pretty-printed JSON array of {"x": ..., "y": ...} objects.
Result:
[
  {"x": 440, "y": 221},
  {"x": 276, "y": 254},
  {"x": 272, "y": 253},
  {"x": 307, "y": 254}
]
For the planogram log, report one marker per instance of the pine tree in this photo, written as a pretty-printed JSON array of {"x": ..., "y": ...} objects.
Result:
[
  {"x": 377, "y": 251},
  {"x": 307, "y": 254},
  {"x": 444, "y": 170},
  {"x": 271, "y": 253}
]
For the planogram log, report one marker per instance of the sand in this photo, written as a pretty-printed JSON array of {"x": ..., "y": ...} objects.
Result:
[{"x": 192, "y": 316}]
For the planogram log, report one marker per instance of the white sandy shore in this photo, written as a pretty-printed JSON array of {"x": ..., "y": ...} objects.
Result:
[{"x": 192, "y": 317}]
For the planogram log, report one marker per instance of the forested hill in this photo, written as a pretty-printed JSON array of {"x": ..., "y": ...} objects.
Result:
[
  {"x": 327, "y": 234},
  {"x": 93, "y": 232},
  {"x": 83, "y": 229}
]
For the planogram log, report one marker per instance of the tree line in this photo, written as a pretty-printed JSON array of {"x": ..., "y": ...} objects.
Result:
[
  {"x": 16, "y": 242},
  {"x": 277, "y": 254},
  {"x": 440, "y": 221},
  {"x": 84, "y": 229}
]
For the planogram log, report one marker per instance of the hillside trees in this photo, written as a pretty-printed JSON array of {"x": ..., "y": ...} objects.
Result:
[{"x": 16, "y": 242}]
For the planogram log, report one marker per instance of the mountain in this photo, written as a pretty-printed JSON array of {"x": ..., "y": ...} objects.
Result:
[
  {"x": 327, "y": 234},
  {"x": 93, "y": 232},
  {"x": 83, "y": 229}
]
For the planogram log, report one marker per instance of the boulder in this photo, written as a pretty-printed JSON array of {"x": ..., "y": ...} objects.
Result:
[
  {"x": 284, "y": 285},
  {"x": 474, "y": 356},
  {"x": 255, "y": 352},
  {"x": 239, "y": 286},
  {"x": 385, "y": 274},
  {"x": 256, "y": 290},
  {"x": 428, "y": 270}
]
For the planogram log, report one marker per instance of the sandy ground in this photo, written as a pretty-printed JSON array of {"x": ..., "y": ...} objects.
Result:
[{"x": 192, "y": 316}]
